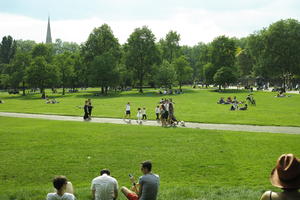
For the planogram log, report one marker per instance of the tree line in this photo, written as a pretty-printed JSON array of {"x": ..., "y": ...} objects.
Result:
[{"x": 270, "y": 55}]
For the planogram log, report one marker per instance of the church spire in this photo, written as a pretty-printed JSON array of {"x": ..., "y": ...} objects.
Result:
[{"x": 48, "y": 38}]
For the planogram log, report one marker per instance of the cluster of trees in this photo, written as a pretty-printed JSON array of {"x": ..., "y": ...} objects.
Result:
[{"x": 272, "y": 55}]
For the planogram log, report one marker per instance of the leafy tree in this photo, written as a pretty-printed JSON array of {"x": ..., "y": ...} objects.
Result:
[
  {"x": 65, "y": 64},
  {"x": 102, "y": 44},
  {"x": 141, "y": 53},
  {"x": 183, "y": 70},
  {"x": 165, "y": 75},
  {"x": 7, "y": 49},
  {"x": 25, "y": 46},
  {"x": 43, "y": 50},
  {"x": 170, "y": 46},
  {"x": 40, "y": 74},
  {"x": 60, "y": 47},
  {"x": 224, "y": 76},
  {"x": 18, "y": 69}
]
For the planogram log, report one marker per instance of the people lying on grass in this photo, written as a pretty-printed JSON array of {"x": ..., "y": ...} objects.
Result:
[
  {"x": 286, "y": 176},
  {"x": 229, "y": 100},
  {"x": 64, "y": 189},
  {"x": 221, "y": 101},
  {"x": 244, "y": 108},
  {"x": 146, "y": 188},
  {"x": 234, "y": 106},
  {"x": 104, "y": 186}
]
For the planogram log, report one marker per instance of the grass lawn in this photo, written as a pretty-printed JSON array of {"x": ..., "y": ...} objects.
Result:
[
  {"x": 197, "y": 105},
  {"x": 192, "y": 163}
]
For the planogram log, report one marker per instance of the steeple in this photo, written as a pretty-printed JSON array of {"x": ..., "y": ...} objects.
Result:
[{"x": 48, "y": 38}]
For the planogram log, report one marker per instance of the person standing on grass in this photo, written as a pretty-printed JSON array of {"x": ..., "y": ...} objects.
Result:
[
  {"x": 144, "y": 115},
  {"x": 286, "y": 176},
  {"x": 86, "y": 110},
  {"x": 139, "y": 116},
  {"x": 127, "y": 111},
  {"x": 64, "y": 189},
  {"x": 146, "y": 188},
  {"x": 90, "y": 108},
  {"x": 157, "y": 111},
  {"x": 104, "y": 187}
]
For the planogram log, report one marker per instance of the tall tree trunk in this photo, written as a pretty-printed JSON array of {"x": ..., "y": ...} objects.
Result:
[
  {"x": 23, "y": 85},
  {"x": 141, "y": 84},
  {"x": 180, "y": 86},
  {"x": 102, "y": 89},
  {"x": 63, "y": 89}
]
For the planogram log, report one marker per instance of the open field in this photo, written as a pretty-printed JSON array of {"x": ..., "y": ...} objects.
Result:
[
  {"x": 196, "y": 105},
  {"x": 192, "y": 164}
]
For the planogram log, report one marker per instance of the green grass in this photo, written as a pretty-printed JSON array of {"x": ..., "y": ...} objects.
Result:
[
  {"x": 192, "y": 163},
  {"x": 197, "y": 105}
]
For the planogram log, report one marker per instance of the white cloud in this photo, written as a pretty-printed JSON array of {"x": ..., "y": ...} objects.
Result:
[{"x": 194, "y": 25}]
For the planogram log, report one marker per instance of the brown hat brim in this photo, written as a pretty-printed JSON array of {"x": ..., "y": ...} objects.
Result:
[{"x": 275, "y": 180}]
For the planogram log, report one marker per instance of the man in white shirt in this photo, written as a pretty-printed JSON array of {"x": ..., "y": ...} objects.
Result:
[
  {"x": 64, "y": 189},
  {"x": 104, "y": 187},
  {"x": 127, "y": 111}
]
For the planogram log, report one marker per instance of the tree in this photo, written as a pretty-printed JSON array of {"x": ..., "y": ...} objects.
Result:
[
  {"x": 102, "y": 43},
  {"x": 165, "y": 75},
  {"x": 65, "y": 64},
  {"x": 40, "y": 74},
  {"x": 43, "y": 50},
  {"x": 224, "y": 76},
  {"x": 170, "y": 46},
  {"x": 18, "y": 69},
  {"x": 7, "y": 49},
  {"x": 141, "y": 53},
  {"x": 183, "y": 70}
]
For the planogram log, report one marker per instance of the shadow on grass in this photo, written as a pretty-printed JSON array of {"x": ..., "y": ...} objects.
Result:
[{"x": 237, "y": 91}]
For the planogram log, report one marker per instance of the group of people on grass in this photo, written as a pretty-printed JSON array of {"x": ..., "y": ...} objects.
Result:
[
  {"x": 164, "y": 113},
  {"x": 170, "y": 91},
  {"x": 51, "y": 101},
  {"x": 87, "y": 110},
  {"x": 105, "y": 187},
  {"x": 285, "y": 175},
  {"x": 235, "y": 104}
]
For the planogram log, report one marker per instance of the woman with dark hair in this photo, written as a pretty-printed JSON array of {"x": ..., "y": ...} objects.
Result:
[
  {"x": 286, "y": 176},
  {"x": 64, "y": 189}
]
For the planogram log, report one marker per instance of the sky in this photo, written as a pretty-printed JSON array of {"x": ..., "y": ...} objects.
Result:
[{"x": 195, "y": 20}]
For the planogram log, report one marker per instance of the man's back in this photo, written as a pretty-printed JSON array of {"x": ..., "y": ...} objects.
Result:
[
  {"x": 65, "y": 196},
  {"x": 105, "y": 187},
  {"x": 150, "y": 184}
]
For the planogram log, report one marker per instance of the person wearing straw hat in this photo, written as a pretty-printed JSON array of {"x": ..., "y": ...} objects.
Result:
[{"x": 286, "y": 175}]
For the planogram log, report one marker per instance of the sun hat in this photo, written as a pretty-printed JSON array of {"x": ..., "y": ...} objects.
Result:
[{"x": 286, "y": 174}]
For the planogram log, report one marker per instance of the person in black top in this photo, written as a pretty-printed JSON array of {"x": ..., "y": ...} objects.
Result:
[
  {"x": 90, "y": 107},
  {"x": 86, "y": 111}
]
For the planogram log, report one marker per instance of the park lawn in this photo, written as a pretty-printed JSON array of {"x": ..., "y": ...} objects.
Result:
[
  {"x": 192, "y": 163},
  {"x": 196, "y": 105}
]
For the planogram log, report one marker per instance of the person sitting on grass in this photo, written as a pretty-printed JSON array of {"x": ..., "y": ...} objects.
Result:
[
  {"x": 244, "y": 108},
  {"x": 146, "y": 188},
  {"x": 221, "y": 101},
  {"x": 286, "y": 176},
  {"x": 1, "y": 101},
  {"x": 64, "y": 189},
  {"x": 104, "y": 187},
  {"x": 229, "y": 100}
]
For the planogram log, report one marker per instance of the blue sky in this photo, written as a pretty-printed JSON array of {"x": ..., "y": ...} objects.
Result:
[{"x": 195, "y": 20}]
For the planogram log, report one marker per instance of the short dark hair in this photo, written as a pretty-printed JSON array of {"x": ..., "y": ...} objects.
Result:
[
  {"x": 147, "y": 164},
  {"x": 105, "y": 171},
  {"x": 59, "y": 181}
]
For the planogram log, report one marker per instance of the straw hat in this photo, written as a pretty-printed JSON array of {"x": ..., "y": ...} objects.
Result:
[{"x": 286, "y": 174}]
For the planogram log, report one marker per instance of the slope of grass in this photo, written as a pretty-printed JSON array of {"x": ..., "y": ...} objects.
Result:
[
  {"x": 194, "y": 105},
  {"x": 192, "y": 163}
]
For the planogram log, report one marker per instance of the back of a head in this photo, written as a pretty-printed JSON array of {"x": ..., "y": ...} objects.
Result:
[
  {"x": 59, "y": 181},
  {"x": 147, "y": 165},
  {"x": 104, "y": 171}
]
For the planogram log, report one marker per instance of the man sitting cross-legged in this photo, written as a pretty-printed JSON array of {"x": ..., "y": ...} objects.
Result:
[
  {"x": 64, "y": 189},
  {"x": 147, "y": 188}
]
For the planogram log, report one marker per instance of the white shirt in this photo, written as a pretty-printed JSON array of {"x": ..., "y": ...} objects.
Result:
[
  {"x": 105, "y": 186},
  {"x": 144, "y": 112},
  {"x": 157, "y": 110},
  {"x": 167, "y": 106},
  {"x": 127, "y": 107},
  {"x": 65, "y": 196}
]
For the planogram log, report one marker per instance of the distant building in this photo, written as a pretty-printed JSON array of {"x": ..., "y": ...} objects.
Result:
[{"x": 48, "y": 38}]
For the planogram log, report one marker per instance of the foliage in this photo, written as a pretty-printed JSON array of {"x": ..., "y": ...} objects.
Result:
[
  {"x": 141, "y": 53},
  {"x": 165, "y": 75},
  {"x": 183, "y": 70},
  {"x": 224, "y": 77},
  {"x": 170, "y": 46},
  {"x": 8, "y": 48}
]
